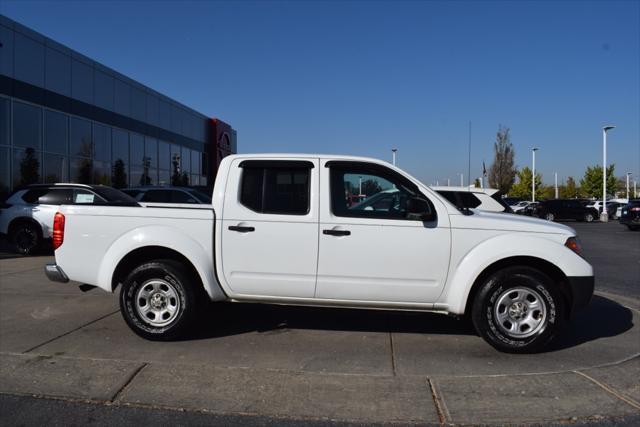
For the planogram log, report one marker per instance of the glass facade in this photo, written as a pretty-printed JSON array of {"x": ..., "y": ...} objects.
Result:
[{"x": 65, "y": 117}]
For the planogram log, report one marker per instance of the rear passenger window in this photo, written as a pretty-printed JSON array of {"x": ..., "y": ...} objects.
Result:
[
  {"x": 276, "y": 187},
  {"x": 85, "y": 197},
  {"x": 56, "y": 197}
]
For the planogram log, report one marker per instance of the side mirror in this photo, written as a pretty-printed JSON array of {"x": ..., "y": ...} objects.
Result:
[{"x": 420, "y": 209}]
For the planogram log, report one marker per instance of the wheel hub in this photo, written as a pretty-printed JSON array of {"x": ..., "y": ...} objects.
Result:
[
  {"x": 520, "y": 312},
  {"x": 158, "y": 301},
  {"x": 517, "y": 310}
]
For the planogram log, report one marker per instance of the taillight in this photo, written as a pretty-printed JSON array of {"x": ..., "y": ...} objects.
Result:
[
  {"x": 573, "y": 244},
  {"x": 636, "y": 209},
  {"x": 58, "y": 230}
]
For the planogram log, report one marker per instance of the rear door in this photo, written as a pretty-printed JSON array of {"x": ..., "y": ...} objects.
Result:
[{"x": 269, "y": 236}]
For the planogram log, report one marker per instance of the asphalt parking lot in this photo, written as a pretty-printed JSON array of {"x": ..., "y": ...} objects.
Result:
[{"x": 67, "y": 357}]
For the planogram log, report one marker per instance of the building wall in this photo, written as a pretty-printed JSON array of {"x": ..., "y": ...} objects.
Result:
[{"x": 65, "y": 117}]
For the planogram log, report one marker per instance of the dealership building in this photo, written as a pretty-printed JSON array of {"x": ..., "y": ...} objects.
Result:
[{"x": 67, "y": 118}]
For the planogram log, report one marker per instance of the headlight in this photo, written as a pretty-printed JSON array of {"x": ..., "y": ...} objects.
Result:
[{"x": 573, "y": 244}]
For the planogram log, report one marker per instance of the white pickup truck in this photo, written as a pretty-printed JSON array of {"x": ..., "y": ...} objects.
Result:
[{"x": 287, "y": 229}]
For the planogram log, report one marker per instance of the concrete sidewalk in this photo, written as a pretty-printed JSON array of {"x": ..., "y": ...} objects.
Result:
[{"x": 307, "y": 364}]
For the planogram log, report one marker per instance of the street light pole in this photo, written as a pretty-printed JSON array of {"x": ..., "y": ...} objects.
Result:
[
  {"x": 604, "y": 216},
  {"x": 556, "y": 179},
  {"x": 360, "y": 190},
  {"x": 533, "y": 175},
  {"x": 461, "y": 180},
  {"x": 394, "y": 151},
  {"x": 628, "y": 174}
]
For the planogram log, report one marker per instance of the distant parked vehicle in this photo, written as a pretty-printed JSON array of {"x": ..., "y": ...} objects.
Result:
[
  {"x": 26, "y": 217},
  {"x": 559, "y": 209},
  {"x": 168, "y": 194},
  {"x": 529, "y": 210},
  {"x": 612, "y": 209},
  {"x": 630, "y": 215},
  {"x": 512, "y": 201},
  {"x": 520, "y": 206},
  {"x": 485, "y": 199}
]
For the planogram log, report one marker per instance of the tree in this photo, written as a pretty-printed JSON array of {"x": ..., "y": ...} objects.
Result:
[
  {"x": 176, "y": 177},
  {"x": 476, "y": 183},
  {"x": 591, "y": 183},
  {"x": 522, "y": 188},
  {"x": 502, "y": 172},
  {"x": 119, "y": 177},
  {"x": 29, "y": 167},
  {"x": 569, "y": 191},
  {"x": 145, "y": 179},
  {"x": 85, "y": 171}
]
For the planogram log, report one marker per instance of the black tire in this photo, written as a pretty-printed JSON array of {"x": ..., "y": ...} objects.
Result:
[
  {"x": 525, "y": 282},
  {"x": 171, "y": 284},
  {"x": 588, "y": 217},
  {"x": 26, "y": 236},
  {"x": 549, "y": 216},
  {"x": 633, "y": 227}
]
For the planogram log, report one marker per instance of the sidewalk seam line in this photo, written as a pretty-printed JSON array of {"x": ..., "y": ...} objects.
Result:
[
  {"x": 610, "y": 390},
  {"x": 393, "y": 357},
  {"x": 441, "y": 408},
  {"x": 69, "y": 332},
  {"x": 121, "y": 390}
]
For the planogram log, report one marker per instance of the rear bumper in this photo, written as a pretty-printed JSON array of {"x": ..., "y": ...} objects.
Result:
[
  {"x": 581, "y": 292},
  {"x": 55, "y": 273}
]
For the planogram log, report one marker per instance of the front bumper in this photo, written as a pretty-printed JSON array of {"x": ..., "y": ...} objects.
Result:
[
  {"x": 581, "y": 292},
  {"x": 55, "y": 273}
]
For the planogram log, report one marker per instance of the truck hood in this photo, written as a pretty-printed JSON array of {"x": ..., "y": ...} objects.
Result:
[{"x": 482, "y": 220}]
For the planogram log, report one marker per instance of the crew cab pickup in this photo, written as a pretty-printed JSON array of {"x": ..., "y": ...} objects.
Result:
[{"x": 286, "y": 229}]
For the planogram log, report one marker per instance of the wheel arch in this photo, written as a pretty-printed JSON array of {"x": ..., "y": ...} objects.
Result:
[
  {"x": 542, "y": 265},
  {"x": 144, "y": 254},
  {"x": 21, "y": 220}
]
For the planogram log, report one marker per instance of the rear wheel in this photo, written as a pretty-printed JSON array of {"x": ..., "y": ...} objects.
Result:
[
  {"x": 633, "y": 227},
  {"x": 158, "y": 300},
  {"x": 549, "y": 216},
  {"x": 26, "y": 237},
  {"x": 518, "y": 310},
  {"x": 589, "y": 217}
]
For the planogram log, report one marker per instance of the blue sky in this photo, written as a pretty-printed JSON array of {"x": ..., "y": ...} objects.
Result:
[{"x": 362, "y": 77}]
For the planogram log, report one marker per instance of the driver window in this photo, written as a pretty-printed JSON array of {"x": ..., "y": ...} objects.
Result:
[{"x": 368, "y": 194}]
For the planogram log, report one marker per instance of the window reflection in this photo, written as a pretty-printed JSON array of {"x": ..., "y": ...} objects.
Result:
[
  {"x": 55, "y": 168},
  {"x": 27, "y": 124},
  {"x": 80, "y": 143},
  {"x": 26, "y": 166},
  {"x": 55, "y": 132}
]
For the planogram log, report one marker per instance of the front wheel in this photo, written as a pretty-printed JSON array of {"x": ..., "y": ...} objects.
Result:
[
  {"x": 549, "y": 216},
  {"x": 158, "y": 300},
  {"x": 589, "y": 217},
  {"x": 518, "y": 310}
]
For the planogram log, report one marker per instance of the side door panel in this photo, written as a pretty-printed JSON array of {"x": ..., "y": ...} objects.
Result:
[
  {"x": 269, "y": 254},
  {"x": 386, "y": 260}
]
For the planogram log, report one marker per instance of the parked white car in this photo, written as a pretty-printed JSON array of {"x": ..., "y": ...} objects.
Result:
[
  {"x": 485, "y": 199},
  {"x": 520, "y": 206},
  {"x": 26, "y": 217},
  {"x": 284, "y": 229}
]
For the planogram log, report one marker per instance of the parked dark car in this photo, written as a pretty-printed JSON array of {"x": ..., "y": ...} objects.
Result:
[
  {"x": 168, "y": 194},
  {"x": 558, "y": 209},
  {"x": 631, "y": 215}
]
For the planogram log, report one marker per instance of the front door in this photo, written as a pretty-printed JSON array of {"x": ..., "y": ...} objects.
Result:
[
  {"x": 371, "y": 247},
  {"x": 270, "y": 228}
]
